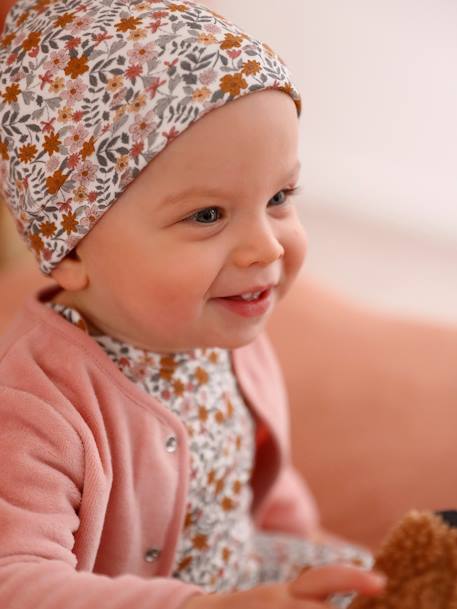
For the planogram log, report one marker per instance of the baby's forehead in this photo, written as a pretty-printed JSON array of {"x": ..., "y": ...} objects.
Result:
[
  {"x": 237, "y": 138},
  {"x": 204, "y": 187}
]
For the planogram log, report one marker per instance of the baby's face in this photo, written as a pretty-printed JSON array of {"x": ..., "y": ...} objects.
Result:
[{"x": 209, "y": 218}]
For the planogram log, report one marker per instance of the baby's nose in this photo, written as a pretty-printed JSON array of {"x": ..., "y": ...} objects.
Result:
[{"x": 258, "y": 244}]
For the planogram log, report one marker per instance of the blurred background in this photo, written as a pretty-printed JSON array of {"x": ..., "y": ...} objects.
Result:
[{"x": 378, "y": 144}]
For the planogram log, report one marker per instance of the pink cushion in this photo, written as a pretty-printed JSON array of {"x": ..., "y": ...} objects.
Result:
[{"x": 374, "y": 409}]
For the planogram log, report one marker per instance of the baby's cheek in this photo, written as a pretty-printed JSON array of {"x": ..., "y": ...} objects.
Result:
[
  {"x": 296, "y": 247},
  {"x": 181, "y": 294}
]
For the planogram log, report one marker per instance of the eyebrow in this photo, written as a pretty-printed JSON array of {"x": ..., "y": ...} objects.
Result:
[{"x": 214, "y": 192}]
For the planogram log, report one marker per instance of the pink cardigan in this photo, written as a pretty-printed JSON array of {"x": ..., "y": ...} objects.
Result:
[{"x": 93, "y": 471}]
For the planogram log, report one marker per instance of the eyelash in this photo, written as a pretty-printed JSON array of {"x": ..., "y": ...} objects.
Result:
[{"x": 289, "y": 192}]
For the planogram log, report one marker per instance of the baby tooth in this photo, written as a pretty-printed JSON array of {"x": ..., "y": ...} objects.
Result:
[{"x": 251, "y": 296}]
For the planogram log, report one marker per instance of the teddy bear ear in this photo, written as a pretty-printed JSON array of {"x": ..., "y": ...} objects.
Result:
[{"x": 449, "y": 517}]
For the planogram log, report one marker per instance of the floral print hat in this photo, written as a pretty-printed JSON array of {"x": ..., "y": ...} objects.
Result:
[{"x": 91, "y": 91}]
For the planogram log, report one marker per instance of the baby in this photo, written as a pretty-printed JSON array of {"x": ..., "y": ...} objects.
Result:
[{"x": 144, "y": 436}]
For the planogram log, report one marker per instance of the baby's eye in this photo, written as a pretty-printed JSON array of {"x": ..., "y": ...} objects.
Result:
[
  {"x": 282, "y": 196},
  {"x": 279, "y": 198},
  {"x": 209, "y": 215}
]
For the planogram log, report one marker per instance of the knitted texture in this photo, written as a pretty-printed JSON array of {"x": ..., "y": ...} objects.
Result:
[{"x": 419, "y": 558}]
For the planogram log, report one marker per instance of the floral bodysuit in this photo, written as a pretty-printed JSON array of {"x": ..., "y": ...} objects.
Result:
[{"x": 219, "y": 549}]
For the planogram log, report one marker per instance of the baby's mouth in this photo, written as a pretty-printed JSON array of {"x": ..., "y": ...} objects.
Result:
[
  {"x": 254, "y": 296},
  {"x": 248, "y": 304}
]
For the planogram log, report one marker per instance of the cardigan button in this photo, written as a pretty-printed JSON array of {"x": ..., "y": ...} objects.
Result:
[
  {"x": 171, "y": 444},
  {"x": 152, "y": 554}
]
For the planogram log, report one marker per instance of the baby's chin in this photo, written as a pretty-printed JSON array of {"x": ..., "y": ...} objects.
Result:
[
  {"x": 237, "y": 340},
  {"x": 212, "y": 334},
  {"x": 228, "y": 342}
]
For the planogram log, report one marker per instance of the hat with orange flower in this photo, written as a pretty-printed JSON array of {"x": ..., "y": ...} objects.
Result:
[{"x": 91, "y": 91}]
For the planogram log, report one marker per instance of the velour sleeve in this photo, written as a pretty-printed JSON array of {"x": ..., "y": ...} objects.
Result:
[
  {"x": 41, "y": 484},
  {"x": 290, "y": 506}
]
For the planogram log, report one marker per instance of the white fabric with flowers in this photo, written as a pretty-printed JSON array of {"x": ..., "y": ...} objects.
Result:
[{"x": 220, "y": 549}]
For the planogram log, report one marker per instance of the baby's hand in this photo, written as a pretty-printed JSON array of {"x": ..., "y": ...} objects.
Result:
[
  {"x": 310, "y": 590},
  {"x": 321, "y": 582}
]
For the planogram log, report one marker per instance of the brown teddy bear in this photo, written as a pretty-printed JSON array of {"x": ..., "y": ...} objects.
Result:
[{"x": 419, "y": 558}]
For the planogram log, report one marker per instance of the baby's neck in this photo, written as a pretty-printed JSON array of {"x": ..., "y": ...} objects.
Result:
[
  {"x": 63, "y": 297},
  {"x": 68, "y": 299}
]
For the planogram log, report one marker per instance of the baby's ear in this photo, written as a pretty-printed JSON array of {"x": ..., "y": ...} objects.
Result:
[{"x": 71, "y": 273}]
